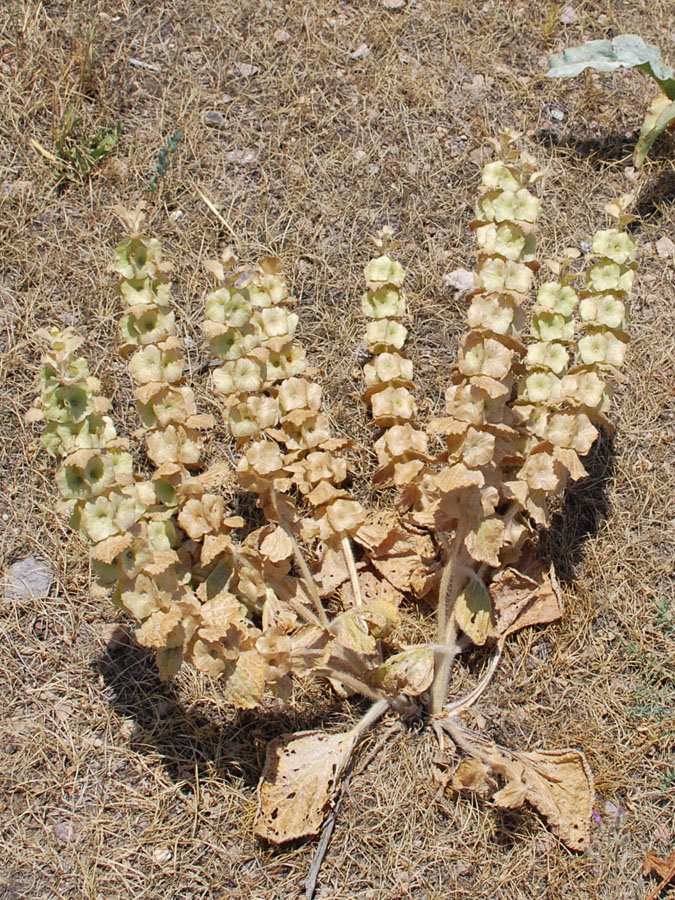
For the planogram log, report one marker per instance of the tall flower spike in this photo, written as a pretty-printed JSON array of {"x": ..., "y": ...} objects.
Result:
[
  {"x": 166, "y": 405},
  {"x": 478, "y": 425},
  {"x": 132, "y": 538},
  {"x": 600, "y": 352},
  {"x": 402, "y": 447}
]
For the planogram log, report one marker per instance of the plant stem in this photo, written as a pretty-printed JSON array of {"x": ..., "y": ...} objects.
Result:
[
  {"x": 308, "y": 581},
  {"x": 376, "y": 711},
  {"x": 460, "y": 706},
  {"x": 447, "y": 626},
  {"x": 351, "y": 566}
]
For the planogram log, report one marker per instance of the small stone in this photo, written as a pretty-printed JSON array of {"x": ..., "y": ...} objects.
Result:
[
  {"x": 359, "y": 154},
  {"x": 568, "y": 16},
  {"x": 478, "y": 84},
  {"x": 115, "y": 635},
  {"x": 665, "y": 247},
  {"x": 28, "y": 578},
  {"x": 161, "y": 855},
  {"x": 361, "y": 52},
  {"x": 461, "y": 280},
  {"x": 557, "y": 114},
  {"x": 247, "y": 70},
  {"x": 176, "y": 214},
  {"x": 242, "y": 157},
  {"x": 393, "y": 4},
  {"x": 463, "y": 868},
  {"x": 281, "y": 36},
  {"x": 479, "y": 156},
  {"x": 213, "y": 118},
  {"x": 64, "y": 832}
]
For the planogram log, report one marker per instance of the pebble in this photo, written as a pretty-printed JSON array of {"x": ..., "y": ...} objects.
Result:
[{"x": 213, "y": 118}]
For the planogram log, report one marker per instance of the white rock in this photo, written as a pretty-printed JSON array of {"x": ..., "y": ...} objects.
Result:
[{"x": 461, "y": 280}]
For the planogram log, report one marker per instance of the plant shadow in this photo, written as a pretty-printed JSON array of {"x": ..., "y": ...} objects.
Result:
[
  {"x": 583, "y": 508},
  {"x": 599, "y": 151},
  {"x": 199, "y": 737}
]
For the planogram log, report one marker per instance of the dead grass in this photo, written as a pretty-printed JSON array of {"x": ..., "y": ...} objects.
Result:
[{"x": 153, "y": 786}]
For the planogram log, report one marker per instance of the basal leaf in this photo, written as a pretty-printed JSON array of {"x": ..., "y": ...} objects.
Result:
[
  {"x": 299, "y": 783},
  {"x": 626, "y": 51},
  {"x": 660, "y": 115}
]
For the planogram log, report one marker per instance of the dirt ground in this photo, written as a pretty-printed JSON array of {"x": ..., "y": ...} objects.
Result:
[{"x": 331, "y": 119}]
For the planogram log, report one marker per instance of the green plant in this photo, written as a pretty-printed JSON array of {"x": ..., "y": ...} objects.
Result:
[
  {"x": 317, "y": 587},
  {"x": 625, "y": 51},
  {"x": 76, "y": 153},
  {"x": 166, "y": 151}
]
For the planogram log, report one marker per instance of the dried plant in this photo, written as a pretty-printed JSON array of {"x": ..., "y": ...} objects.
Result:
[{"x": 319, "y": 588}]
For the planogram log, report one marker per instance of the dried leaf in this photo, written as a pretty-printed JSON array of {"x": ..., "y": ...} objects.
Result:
[
  {"x": 470, "y": 775},
  {"x": 558, "y": 783},
  {"x": 485, "y": 541},
  {"x": 664, "y": 868},
  {"x": 521, "y": 599},
  {"x": 332, "y": 572},
  {"x": 373, "y": 587},
  {"x": 107, "y": 550},
  {"x": 299, "y": 783},
  {"x": 213, "y": 546},
  {"x": 405, "y": 559},
  {"x": 160, "y": 562},
  {"x": 246, "y": 683},
  {"x": 277, "y": 546},
  {"x": 410, "y": 672}
]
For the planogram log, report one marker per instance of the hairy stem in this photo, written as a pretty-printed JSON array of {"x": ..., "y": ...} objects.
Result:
[
  {"x": 447, "y": 626},
  {"x": 460, "y": 706},
  {"x": 351, "y": 566},
  {"x": 376, "y": 711},
  {"x": 301, "y": 562}
]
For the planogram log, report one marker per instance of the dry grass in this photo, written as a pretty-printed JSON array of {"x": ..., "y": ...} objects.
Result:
[{"x": 155, "y": 784}]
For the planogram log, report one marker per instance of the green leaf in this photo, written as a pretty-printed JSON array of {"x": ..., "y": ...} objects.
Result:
[
  {"x": 661, "y": 113},
  {"x": 473, "y": 612},
  {"x": 626, "y": 51}
]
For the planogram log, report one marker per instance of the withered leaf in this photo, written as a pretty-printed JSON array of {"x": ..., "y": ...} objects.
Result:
[
  {"x": 485, "y": 541},
  {"x": 402, "y": 557},
  {"x": 664, "y": 868},
  {"x": 299, "y": 783},
  {"x": 245, "y": 684},
  {"x": 213, "y": 546},
  {"x": 410, "y": 672},
  {"x": 521, "y": 599},
  {"x": 107, "y": 550},
  {"x": 473, "y": 612},
  {"x": 332, "y": 572},
  {"x": 277, "y": 545},
  {"x": 160, "y": 562},
  {"x": 470, "y": 775},
  {"x": 558, "y": 783}
]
